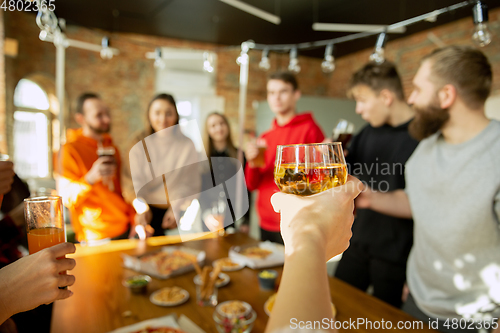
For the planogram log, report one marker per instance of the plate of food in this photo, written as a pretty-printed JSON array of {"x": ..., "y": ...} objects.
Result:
[
  {"x": 170, "y": 296},
  {"x": 256, "y": 252},
  {"x": 222, "y": 280},
  {"x": 260, "y": 255},
  {"x": 167, "y": 262},
  {"x": 268, "y": 306},
  {"x": 228, "y": 265}
]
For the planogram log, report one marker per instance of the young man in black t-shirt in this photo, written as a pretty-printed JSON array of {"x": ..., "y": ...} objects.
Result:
[{"x": 380, "y": 244}]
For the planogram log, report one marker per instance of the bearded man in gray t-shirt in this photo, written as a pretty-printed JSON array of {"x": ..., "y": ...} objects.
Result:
[{"x": 453, "y": 193}]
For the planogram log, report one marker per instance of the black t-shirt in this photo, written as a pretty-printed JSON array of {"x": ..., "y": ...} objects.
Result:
[
  {"x": 223, "y": 170},
  {"x": 377, "y": 156}
]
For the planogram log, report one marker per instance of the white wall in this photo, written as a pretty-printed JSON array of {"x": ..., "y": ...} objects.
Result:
[
  {"x": 492, "y": 108},
  {"x": 184, "y": 78}
]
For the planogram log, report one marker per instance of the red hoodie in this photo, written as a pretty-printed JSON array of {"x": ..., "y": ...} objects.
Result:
[{"x": 301, "y": 129}]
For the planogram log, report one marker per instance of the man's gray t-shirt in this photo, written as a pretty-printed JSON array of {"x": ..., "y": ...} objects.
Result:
[{"x": 454, "y": 192}]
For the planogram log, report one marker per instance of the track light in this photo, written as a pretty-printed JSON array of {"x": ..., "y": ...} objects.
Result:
[
  {"x": 294, "y": 66},
  {"x": 159, "y": 62},
  {"x": 47, "y": 22},
  {"x": 264, "y": 63},
  {"x": 243, "y": 58},
  {"x": 207, "y": 62},
  {"x": 106, "y": 52},
  {"x": 378, "y": 55},
  {"x": 328, "y": 65},
  {"x": 481, "y": 35}
]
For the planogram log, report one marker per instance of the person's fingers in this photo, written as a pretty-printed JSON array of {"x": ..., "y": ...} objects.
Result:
[
  {"x": 149, "y": 230},
  {"x": 277, "y": 201},
  {"x": 62, "y": 249},
  {"x": 63, "y": 294},
  {"x": 353, "y": 186},
  {"x": 106, "y": 159},
  {"x": 65, "y": 280},
  {"x": 65, "y": 264}
]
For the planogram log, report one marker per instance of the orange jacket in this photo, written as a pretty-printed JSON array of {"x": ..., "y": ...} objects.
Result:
[{"x": 96, "y": 212}]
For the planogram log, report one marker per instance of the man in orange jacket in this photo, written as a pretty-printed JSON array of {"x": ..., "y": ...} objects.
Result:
[{"x": 90, "y": 185}]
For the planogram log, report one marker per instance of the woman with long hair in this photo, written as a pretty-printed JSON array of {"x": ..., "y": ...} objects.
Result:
[
  {"x": 165, "y": 148},
  {"x": 218, "y": 144}
]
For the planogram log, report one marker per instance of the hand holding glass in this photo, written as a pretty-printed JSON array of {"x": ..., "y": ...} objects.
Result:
[
  {"x": 309, "y": 168},
  {"x": 44, "y": 222}
]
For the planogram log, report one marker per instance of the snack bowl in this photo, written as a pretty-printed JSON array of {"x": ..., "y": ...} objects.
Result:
[
  {"x": 267, "y": 279},
  {"x": 137, "y": 283},
  {"x": 228, "y": 321}
]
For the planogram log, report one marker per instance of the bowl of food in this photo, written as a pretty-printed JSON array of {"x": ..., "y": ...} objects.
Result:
[
  {"x": 267, "y": 279},
  {"x": 234, "y": 317},
  {"x": 138, "y": 283}
]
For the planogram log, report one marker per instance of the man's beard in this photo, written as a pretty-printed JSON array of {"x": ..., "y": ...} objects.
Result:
[
  {"x": 98, "y": 130},
  {"x": 428, "y": 120}
]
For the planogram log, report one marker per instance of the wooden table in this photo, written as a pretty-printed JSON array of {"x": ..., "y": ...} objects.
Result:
[{"x": 100, "y": 299}]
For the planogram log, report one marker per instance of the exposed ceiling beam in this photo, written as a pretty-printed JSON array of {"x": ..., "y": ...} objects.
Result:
[
  {"x": 355, "y": 27},
  {"x": 254, "y": 11}
]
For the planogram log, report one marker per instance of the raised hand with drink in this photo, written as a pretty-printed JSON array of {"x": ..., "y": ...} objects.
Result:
[
  {"x": 44, "y": 222},
  {"x": 310, "y": 168},
  {"x": 343, "y": 132},
  {"x": 109, "y": 162},
  {"x": 255, "y": 153},
  {"x": 103, "y": 167}
]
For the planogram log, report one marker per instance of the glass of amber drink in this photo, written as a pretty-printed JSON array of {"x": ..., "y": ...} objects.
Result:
[
  {"x": 308, "y": 169},
  {"x": 44, "y": 222}
]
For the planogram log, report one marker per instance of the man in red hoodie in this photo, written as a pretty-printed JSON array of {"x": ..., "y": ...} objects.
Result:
[{"x": 287, "y": 128}]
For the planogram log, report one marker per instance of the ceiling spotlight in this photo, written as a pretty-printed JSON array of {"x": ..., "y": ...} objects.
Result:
[
  {"x": 159, "y": 62},
  {"x": 264, "y": 63},
  {"x": 47, "y": 22},
  {"x": 106, "y": 52},
  {"x": 328, "y": 65},
  {"x": 243, "y": 58},
  {"x": 378, "y": 55},
  {"x": 294, "y": 66},
  {"x": 207, "y": 62},
  {"x": 481, "y": 35}
]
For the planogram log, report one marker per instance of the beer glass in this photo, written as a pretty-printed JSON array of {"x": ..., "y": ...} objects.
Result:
[
  {"x": 44, "y": 222},
  {"x": 105, "y": 152},
  {"x": 343, "y": 132},
  {"x": 260, "y": 160},
  {"x": 307, "y": 169}
]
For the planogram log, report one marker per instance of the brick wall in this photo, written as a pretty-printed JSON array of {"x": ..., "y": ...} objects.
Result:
[
  {"x": 126, "y": 82},
  {"x": 3, "y": 138}
]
